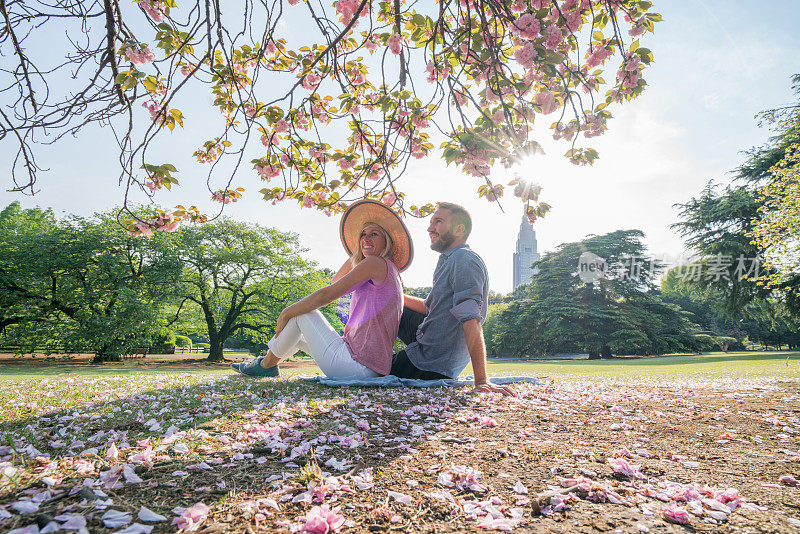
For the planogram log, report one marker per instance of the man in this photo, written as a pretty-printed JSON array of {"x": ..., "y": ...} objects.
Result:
[{"x": 443, "y": 332}]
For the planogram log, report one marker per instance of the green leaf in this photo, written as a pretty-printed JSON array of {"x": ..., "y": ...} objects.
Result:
[{"x": 150, "y": 84}]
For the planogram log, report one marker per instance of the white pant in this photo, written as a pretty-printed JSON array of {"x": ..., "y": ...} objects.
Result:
[{"x": 312, "y": 334}]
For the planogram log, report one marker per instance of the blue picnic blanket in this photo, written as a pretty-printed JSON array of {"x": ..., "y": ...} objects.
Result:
[{"x": 391, "y": 381}]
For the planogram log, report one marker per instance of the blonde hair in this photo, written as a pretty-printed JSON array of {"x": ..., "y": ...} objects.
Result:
[{"x": 358, "y": 255}]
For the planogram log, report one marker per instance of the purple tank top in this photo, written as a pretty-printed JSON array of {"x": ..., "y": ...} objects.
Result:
[{"x": 375, "y": 311}]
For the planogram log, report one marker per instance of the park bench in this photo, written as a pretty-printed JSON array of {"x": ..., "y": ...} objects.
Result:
[{"x": 138, "y": 352}]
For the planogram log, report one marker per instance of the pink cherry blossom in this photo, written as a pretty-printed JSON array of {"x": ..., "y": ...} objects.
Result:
[
  {"x": 311, "y": 81},
  {"x": 345, "y": 163},
  {"x": 139, "y": 54},
  {"x": 272, "y": 140},
  {"x": 363, "y": 424},
  {"x": 371, "y": 43},
  {"x": 154, "y": 9},
  {"x": 554, "y": 37},
  {"x": 547, "y": 100},
  {"x": 675, "y": 514},
  {"x": 623, "y": 467},
  {"x": 190, "y": 519},
  {"x": 321, "y": 520},
  {"x": 527, "y": 26},
  {"x": 347, "y": 10},
  {"x": 598, "y": 55},
  {"x": 267, "y": 171},
  {"x": 526, "y": 56},
  {"x": 395, "y": 43}
]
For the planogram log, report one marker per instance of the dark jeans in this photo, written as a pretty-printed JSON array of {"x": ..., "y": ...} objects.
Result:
[{"x": 407, "y": 332}]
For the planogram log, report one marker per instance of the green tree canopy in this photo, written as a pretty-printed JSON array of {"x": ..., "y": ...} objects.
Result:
[
  {"x": 238, "y": 275},
  {"x": 619, "y": 312},
  {"x": 777, "y": 166},
  {"x": 717, "y": 225},
  {"x": 80, "y": 284}
]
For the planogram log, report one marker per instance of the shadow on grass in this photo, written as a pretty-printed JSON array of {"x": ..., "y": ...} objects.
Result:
[{"x": 239, "y": 433}]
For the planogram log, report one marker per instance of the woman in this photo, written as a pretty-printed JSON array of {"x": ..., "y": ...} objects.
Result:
[{"x": 380, "y": 248}]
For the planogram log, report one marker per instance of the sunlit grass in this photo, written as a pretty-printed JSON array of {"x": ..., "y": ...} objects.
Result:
[{"x": 780, "y": 364}]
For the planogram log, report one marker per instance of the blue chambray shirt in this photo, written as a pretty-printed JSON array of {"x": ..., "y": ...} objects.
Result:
[{"x": 460, "y": 292}]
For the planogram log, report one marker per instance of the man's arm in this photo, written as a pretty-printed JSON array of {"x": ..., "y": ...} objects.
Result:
[
  {"x": 415, "y": 304},
  {"x": 477, "y": 354}
]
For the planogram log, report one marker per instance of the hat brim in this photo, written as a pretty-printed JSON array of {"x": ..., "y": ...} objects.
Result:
[{"x": 371, "y": 211}]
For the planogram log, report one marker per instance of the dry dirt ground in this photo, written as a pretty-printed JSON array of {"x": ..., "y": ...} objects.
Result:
[{"x": 569, "y": 455}]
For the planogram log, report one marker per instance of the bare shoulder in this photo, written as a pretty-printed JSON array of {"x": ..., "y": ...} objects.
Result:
[
  {"x": 373, "y": 262},
  {"x": 375, "y": 267}
]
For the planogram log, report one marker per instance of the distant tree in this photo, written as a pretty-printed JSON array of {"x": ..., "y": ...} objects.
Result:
[
  {"x": 777, "y": 168},
  {"x": 765, "y": 320},
  {"x": 495, "y": 297},
  {"x": 619, "y": 313},
  {"x": 237, "y": 275},
  {"x": 255, "y": 341},
  {"x": 706, "y": 305},
  {"x": 80, "y": 285},
  {"x": 419, "y": 292},
  {"x": 716, "y": 225},
  {"x": 491, "y": 324},
  {"x": 23, "y": 290},
  {"x": 753, "y": 227}
]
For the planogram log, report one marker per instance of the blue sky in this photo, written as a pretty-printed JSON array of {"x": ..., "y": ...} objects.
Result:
[{"x": 717, "y": 63}]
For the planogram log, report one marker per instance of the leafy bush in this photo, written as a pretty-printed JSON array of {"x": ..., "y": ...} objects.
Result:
[
  {"x": 724, "y": 343},
  {"x": 204, "y": 346},
  {"x": 182, "y": 341},
  {"x": 164, "y": 342},
  {"x": 736, "y": 347},
  {"x": 705, "y": 343}
]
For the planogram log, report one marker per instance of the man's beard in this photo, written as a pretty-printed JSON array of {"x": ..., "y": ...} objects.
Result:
[{"x": 445, "y": 240}]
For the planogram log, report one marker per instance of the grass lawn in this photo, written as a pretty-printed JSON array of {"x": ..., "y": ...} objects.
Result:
[
  {"x": 766, "y": 363},
  {"x": 750, "y": 363},
  {"x": 708, "y": 441}
]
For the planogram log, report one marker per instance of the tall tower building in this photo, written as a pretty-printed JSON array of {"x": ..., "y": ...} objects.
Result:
[{"x": 526, "y": 254}]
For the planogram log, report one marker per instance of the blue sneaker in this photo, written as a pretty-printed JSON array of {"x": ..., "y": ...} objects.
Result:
[
  {"x": 253, "y": 368},
  {"x": 236, "y": 366}
]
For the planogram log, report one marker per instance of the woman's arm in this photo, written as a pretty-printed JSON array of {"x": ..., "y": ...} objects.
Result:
[
  {"x": 343, "y": 270},
  {"x": 370, "y": 267}
]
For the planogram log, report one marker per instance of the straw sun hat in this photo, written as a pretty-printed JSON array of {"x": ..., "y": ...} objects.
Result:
[{"x": 371, "y": 211}]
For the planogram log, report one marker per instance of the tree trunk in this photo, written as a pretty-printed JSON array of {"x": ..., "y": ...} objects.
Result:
[
  {"x": 215, "y": 352},
  {"x": 594, "y": 355},
  {"x": 605, "y": 352}
]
